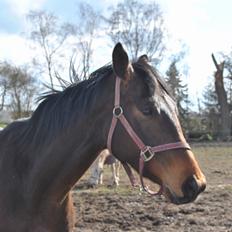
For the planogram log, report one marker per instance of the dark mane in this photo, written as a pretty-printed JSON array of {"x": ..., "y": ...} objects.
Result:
[
  {"x": 54, "y": 112},
  {"x": 76, "y": 90},
  {"x": 93, "y": 78}
]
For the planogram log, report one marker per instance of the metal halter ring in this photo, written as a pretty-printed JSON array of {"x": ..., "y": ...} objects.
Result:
[
  {"x": 147, "y": 153},
  {"x": 117, "y": 111}
]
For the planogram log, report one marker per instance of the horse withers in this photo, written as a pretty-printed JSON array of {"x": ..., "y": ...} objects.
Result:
[{"x": 41, "y": 158}]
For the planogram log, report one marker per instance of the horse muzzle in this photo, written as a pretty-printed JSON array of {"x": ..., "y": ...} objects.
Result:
[{"x": 191, "y": 188}]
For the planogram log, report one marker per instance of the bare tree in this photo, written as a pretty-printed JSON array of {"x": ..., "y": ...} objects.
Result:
[
  {"x": 20, "y": 89},
  {"x": 139, "y": 26},
  {"x": 88, "y": 23},
  {"x": 80, "y": 61},
  {"x": 3, "y": 84},
  {"x": 228, "y": 75},
  {"x": 51, "y": 37},
  {"x": 222, "y": 100}
]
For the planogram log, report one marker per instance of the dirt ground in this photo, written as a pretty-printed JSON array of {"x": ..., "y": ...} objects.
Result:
[{"x": 125, "y": 209}]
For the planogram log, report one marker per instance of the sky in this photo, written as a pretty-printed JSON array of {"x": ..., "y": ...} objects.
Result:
[{"x": 204, "y": 26}]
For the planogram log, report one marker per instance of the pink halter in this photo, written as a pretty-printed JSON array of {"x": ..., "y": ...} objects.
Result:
[{"x": 146, "y": 152}]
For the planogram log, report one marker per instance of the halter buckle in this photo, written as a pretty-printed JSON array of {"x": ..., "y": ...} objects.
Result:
[
  {"x": 117, "y": 111},
  {"x": 147, "y": 153}
]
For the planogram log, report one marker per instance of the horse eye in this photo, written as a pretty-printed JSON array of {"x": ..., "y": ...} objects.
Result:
[{"x": 147, "y": 110}]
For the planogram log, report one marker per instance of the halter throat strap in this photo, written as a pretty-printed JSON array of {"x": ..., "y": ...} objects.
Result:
[{"x": 146, "y": 152}]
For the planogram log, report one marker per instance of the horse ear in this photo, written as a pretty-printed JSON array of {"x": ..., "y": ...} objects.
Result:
[
  {"x": 121, "y": 65},
  {"x": 143, "y": 59}
]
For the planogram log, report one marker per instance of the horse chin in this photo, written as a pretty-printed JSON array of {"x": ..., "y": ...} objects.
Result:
[{"x": 173, "y": 198}]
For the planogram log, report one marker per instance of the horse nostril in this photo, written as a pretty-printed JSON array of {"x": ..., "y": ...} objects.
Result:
[{"x": 190, "y": 188}]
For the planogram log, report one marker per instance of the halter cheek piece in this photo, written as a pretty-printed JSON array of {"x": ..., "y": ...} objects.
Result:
[{"x": 146, "y": 152}]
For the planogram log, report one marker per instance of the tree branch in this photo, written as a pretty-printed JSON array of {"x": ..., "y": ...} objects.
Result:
[{"x": 215, "y": 62}]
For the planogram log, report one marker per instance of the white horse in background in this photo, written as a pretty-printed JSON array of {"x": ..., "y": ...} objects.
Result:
[{"x": 96, "y": 170}]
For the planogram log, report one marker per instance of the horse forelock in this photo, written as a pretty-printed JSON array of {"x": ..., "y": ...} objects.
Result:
[
  {"x": 158, "y": 91},
  {"x": 153, "y": 78}
]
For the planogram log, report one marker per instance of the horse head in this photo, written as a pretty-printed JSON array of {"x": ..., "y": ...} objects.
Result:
[{"x": 150, "y": 128}]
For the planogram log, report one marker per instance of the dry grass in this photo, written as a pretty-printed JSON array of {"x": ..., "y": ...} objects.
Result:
[{"x": 216, "y": 163}]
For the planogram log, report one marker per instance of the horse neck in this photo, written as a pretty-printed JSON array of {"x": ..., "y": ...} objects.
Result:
[{"x": 59, "y": 167}]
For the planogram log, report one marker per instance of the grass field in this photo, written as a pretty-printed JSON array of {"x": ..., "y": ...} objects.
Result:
[
  {"x": 2, "y": 125},
  {"x": 216, "y": 162}
]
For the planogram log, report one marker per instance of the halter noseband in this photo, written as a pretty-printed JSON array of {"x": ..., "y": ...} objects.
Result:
[{"x": 146, "y": 152}]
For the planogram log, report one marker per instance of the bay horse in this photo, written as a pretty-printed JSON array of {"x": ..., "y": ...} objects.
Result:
[{"x": 41, "y": 158}]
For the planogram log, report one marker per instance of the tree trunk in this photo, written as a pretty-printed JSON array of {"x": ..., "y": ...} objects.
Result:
[
  {"x": 2, "y": 103},
  {"x": 224, "y": 132}
]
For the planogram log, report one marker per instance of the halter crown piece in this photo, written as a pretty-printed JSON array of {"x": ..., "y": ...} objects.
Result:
[{"x": 146, "y": 152}]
